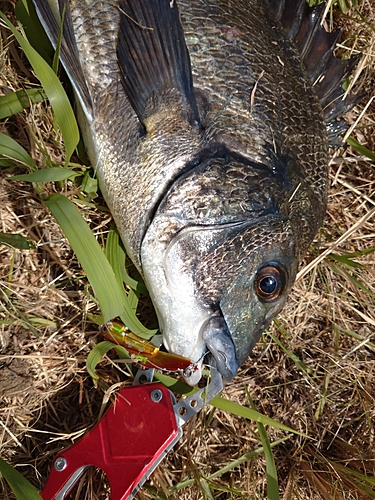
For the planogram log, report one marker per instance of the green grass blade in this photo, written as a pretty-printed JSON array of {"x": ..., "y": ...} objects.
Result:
[
  {"x": 174, "y": 385},
  {"x": 27, "y": 16},
  {"x": 11, "y": 151},
  {"x": 56, "y": 57},
  {"x": 58, "y": 99},
  {"x": 346, "y": 260},
  {"x": 357, "y": 337},
  {"x": 133, "y": 298},
  {"x": 272, "y": 481},
  {"x": 361, "y": 149},
  {"x": 349, "y": 277},
  {"x": 364, "y": 483},
  {"x": 226, "y": 489},
  {"x": 301, "y": 365},
  {"x": 53, "y": 174},
  {"x": 232, "y": 465},
  {"x": 16, "y": 241},
  {"x": 360, "y": 253},
  {"x": 354, "y": 473},
  {"x": 13, "y": 103},
  {"x": 90, "y": 255},
  {"x": 89, "y": 185},
  {"x": 245, "y": 458},
  {"x": 116, "y": 257},
  {"x": 223, "y": 404},
  {"x": 19, "y": 485},
  {"x": 243, "y": 411},
  {"x": 97, "y": 354},
  {"x": 114, "y": 250},
  {"x": 205, "y": 489}
]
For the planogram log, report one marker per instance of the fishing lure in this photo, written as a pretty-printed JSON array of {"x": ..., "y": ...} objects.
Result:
[{"x": 144, "y": 352}]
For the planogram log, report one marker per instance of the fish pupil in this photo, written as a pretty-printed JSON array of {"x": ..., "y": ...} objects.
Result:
[
  {"x": 268, "y": 285},
  {"x": 270, "y": 282}
]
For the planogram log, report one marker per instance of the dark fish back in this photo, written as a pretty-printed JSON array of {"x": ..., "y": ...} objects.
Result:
[{"x": 261, "y": 102}]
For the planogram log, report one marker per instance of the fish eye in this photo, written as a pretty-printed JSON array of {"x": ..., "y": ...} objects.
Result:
[{"x": 270, "y": 282}]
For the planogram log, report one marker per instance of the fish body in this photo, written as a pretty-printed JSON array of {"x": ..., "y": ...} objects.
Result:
[{"x": 210, "y": 142}]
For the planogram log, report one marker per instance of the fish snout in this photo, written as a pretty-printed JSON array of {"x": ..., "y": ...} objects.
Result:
[{"x": 219, "y": 342}]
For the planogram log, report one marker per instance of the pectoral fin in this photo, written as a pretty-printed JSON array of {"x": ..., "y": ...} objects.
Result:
[{"x": 153, "y": 56}]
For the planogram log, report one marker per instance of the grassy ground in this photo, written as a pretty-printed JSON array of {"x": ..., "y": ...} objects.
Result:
[{"x": 313, "y": 371}]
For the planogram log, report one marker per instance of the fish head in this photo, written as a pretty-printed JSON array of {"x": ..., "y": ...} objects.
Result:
[
  {"x": 216, "y": 289},
  {"x": 257, "y": 291},
  {"x": 251, "y": 272}
]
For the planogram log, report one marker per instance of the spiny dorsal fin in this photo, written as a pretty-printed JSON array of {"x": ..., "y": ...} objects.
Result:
[
  {"x": 68, "y": 51},
  {"x": 153, "y": 56},
  {"x": 316, "y": 46}
]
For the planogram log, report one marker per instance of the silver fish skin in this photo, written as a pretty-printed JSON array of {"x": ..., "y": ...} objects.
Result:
[{"x": 212, "y": 157}]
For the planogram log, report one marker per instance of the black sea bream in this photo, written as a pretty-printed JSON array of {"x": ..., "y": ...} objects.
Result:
[{"x": 208, "y": 123}]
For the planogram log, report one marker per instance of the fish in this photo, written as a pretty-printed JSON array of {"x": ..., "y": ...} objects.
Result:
[{"x": 208, "y": 123}]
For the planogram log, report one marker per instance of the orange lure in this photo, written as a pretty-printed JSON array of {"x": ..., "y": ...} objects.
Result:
[{"x": 144, "y": 351}]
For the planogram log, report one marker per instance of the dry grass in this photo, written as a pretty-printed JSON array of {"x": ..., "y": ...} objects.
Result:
[{"x": 327, "y": 391}]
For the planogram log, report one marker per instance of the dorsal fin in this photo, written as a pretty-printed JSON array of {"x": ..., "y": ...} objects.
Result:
[
  {"x": 316, "y": 45},
  {"x": 68, "y": 51},
  {"x": 153, "y": 56}
]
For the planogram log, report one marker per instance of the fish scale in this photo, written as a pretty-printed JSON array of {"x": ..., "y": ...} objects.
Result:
[
  {"x": 214, "y": 191},
  {"x": 208, "y": 123},
  {"x": 280, "y": 64}
]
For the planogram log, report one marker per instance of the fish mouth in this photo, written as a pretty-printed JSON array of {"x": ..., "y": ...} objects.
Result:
[{"x": 219, "y": 342}]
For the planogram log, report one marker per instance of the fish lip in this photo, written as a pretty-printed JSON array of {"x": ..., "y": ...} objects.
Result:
[{"x": 219, "y": 342}]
